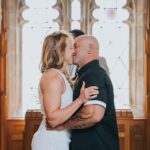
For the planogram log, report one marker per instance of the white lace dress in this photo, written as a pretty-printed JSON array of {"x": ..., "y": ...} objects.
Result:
[{"x": 53, "y": 140}]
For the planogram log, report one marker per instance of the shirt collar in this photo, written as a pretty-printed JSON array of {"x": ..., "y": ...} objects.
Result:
[{"x": 91, "y": 64}]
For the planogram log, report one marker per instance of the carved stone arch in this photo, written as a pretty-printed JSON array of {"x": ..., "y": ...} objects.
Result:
[
  {"x": 91, "y": 6},
  {"x": 63, "y": 8},
  {"x": 59, "y": 6},
  {"x": 84, "y": 15},
  {"x": 87, "y": 19},
  {"x": 22, "y": 6},
  {"x": 130, "y": 6}
]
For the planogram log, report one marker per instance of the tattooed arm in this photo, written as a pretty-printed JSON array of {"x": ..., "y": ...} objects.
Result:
[{"x": 86, "y": 117}]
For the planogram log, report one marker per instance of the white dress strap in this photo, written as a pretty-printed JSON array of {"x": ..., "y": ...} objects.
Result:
[{"x": 60, "y": 74}]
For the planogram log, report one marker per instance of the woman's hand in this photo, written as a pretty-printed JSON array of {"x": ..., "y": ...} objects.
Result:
[{"x": 88, "y": 93}]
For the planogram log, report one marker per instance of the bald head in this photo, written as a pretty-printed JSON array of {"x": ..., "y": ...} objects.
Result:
[
  {"x": 86, "y": 49},
  {"x": 89, "y": 40}
]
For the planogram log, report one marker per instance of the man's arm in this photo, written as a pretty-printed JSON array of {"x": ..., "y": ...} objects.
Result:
[{"x": 87, "y": 116}]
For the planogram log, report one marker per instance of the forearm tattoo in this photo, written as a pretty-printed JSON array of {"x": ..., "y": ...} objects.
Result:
[{"x": 79, "y": 121}]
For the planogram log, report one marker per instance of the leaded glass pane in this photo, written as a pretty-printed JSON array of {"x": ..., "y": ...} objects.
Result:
[
  {"x": 75, "y": 14},
  {"x": 113, "y": 36},
  {"x": 40, "y": 23}
]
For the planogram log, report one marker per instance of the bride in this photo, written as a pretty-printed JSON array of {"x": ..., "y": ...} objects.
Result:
[{"x": 55, "y": 92}]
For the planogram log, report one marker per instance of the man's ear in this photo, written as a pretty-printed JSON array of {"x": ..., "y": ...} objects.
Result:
[{"x": 91, "y": 46}]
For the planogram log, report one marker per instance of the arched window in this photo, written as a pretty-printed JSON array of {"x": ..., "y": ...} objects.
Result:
[{"x": 116, "y": 25}]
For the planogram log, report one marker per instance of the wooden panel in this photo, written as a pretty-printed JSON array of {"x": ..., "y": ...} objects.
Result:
[
  {"x": 32, "y": 119},
  {"x": 131, "y": 133},
  {"x": 127, "y": 126},
  {"x": 137, "y": 136},
  {"x": 3, "y": 96},
  {"x": 148, "y": 103},
  {"x": 122, "y": 143},
  {"x": 147, "y": 49},
  {"x": 122, "y": 137},
  {"x": 15, "y": 129},
  {"x": 148, "y": 98}
]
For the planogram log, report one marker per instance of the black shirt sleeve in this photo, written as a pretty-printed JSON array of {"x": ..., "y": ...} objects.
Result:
[{"x": 94, "y": 79}]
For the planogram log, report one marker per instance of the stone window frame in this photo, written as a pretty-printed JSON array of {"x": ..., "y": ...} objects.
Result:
[{"x": 137, "y": 67}]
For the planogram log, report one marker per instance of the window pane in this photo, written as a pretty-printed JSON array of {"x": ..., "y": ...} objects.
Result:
[
  {"x": 75, "y": 25},
  {"x": 75, "y": 14},
  {"x": 113, "y": 36},
  {"x": 40, "y": 17}
]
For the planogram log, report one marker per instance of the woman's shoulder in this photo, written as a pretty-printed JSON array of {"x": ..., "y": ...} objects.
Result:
[{"x": 50, "y": 78}]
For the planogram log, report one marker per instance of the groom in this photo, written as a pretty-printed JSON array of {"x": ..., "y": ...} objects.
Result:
[{"x": 94, "y": 125}]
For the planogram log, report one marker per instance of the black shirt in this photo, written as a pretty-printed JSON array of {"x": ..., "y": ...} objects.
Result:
[{"x": 103, "y": 135}]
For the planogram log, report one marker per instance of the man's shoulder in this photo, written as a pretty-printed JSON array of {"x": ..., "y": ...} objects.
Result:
[
  {"x": 93, "y": 76},
  {"x": 95, "y": 72},
  {"x": 96, "y": 75}
]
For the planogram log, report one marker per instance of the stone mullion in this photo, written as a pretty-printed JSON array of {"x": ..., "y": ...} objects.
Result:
[
  {"x": 132, "y": 51},
  {"x": 87, "y": 19},
  {"x": 64, "y": 18}
]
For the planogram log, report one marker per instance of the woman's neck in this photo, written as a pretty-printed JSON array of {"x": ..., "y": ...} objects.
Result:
[{"x": 63, "y": 69}]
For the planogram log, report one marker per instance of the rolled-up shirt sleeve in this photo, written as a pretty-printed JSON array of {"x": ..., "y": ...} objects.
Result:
[{"x": 99, "y": 81}]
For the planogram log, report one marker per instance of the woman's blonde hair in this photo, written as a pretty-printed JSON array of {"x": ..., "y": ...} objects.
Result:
[{"x": 53, "y": 50}]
